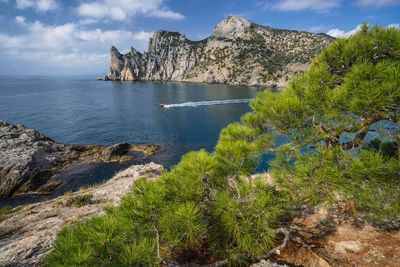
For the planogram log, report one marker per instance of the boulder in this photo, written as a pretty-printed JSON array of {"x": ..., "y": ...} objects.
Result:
[{"x": 115, "y": 151}]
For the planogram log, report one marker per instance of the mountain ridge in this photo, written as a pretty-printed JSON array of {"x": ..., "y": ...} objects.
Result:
[{"x": 238, "y": 52}]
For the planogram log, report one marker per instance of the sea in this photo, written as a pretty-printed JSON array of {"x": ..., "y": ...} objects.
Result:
[{"x": 82, "y": 110}]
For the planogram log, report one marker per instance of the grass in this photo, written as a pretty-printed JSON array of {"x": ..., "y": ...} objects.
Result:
[
  {"x": 80, "y": 200},
  {"x": 6, "y": 210},
  {"x": 4, "y": 213}
]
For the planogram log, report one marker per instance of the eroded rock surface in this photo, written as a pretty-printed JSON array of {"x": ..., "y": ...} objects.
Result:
[
  {"x": 28, "y": 159},
  {"x": 336, "y": 237},
  {"x": 238, "y": 52},
  {"x": 27, "y": 234},
  {"x": 266, "y": 263}
]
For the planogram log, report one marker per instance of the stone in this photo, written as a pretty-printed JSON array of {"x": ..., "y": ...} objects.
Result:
[
  {"x": 28, "y": 159},
  {"x": 238, "y": 52},
  {"x": 232, "y": 27},
  {"x": 115, "y": 151},
  {"x": 266, "y": 263},
  {"x": 347, "y": 246},
  {"x": 317, "y": 262}
]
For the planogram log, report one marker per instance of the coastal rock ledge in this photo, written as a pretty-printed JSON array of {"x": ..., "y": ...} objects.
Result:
[
  {"x": 28, "y": 233},
  {"x": 28, "y": 159},
  {"x": 238, "y": 52}
]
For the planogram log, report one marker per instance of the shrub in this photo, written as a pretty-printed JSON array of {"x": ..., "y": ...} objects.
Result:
[
  {"x": 79, "y": 200},
  {"x": 6, "y": 210}
]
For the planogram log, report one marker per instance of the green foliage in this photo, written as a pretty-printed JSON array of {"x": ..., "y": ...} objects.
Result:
[
  {"x": 365, "y": 178},
  {"x": 387, "y": 149},
  {"x": 5, "y": 210},
  {"x": 188, "y": 208},
  {"x": 235, "y": 153},
  {"x": 258, "y": 39},
  {"x": 247, "y": 212},
  {"x": 209, "y": 204},
  {"x": 351, "y": 85},
  {"x": 79, "y": 200}
]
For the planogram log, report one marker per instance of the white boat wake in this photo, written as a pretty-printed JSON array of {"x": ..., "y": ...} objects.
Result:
[{"x": 209, "y": 103}]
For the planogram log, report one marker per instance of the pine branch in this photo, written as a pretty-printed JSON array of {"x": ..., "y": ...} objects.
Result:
[{"x": 273, "y": 251}]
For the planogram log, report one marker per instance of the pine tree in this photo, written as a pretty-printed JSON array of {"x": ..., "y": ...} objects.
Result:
[{"x": 210, "y": 205}]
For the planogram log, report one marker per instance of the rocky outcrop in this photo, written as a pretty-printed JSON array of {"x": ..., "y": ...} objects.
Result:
[
  {"x": 28, "y": 159},
  {"x": 238, "y": 52},
  {"x": 28, "y": 233},
  {"x": 336, "y": 236}
]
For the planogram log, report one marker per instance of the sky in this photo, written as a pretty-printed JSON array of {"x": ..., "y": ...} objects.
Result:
[{"x": 54, "y": 37}]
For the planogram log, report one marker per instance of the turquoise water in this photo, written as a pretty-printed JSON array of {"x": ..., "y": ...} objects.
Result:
[{"x": 81, "y": 110}]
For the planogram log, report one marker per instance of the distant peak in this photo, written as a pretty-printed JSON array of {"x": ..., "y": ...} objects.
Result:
[
  {"x": 236, "y": 18},
  {"x": 114, "y": 50},
  {"x": 232, "y": 26},
  {"x": 166, "y": 33}
]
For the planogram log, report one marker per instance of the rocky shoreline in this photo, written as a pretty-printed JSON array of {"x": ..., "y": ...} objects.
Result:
[
  {"x": 29, "y": 160},
  {"x": 28, "y": 232},
  {"x": 318, "y": 236}
]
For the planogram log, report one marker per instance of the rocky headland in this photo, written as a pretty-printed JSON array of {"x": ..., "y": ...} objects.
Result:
[
  {"x": 238, "y": 52},
  {"x": 29, "y": 160}
]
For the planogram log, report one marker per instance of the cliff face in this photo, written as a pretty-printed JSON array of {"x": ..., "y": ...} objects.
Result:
[
  {"x": 170, "y": 57},
  {"x": 237, "y": 52}
]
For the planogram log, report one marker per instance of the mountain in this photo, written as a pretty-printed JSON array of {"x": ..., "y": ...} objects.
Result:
[{"x": 238, "y": 52}]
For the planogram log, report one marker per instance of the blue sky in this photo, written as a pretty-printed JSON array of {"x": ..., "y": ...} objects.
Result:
[{"x": 54, "y": 37}]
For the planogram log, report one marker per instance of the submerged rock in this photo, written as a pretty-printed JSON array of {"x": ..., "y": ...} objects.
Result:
[
  {"x": 28, "y": 233},
  {"x": 114, "y": 151},
  {"x": 28, "y": 159}
]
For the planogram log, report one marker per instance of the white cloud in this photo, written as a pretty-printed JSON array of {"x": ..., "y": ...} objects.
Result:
[
  {"x": 69, "y": 46},
  {"x": 39, "y": 5},
  {"x": 167, "y": 14},
  {"x": 337, "y": 33},
  {"x": 145, "y": 36},
  {"x": 377, "y": 3},
  {"x": 88, "y": 21},
  {"x": 394, "y": 26},
  {"x": 342, "y": 34},
  {"x": 20, "y": 19},
  {"x": 122, "y": 9},
  {"x": 297, "y": 5}
]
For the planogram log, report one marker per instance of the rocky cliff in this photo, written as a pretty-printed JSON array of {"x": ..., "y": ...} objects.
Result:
[{"x": 238, "y": 52}]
